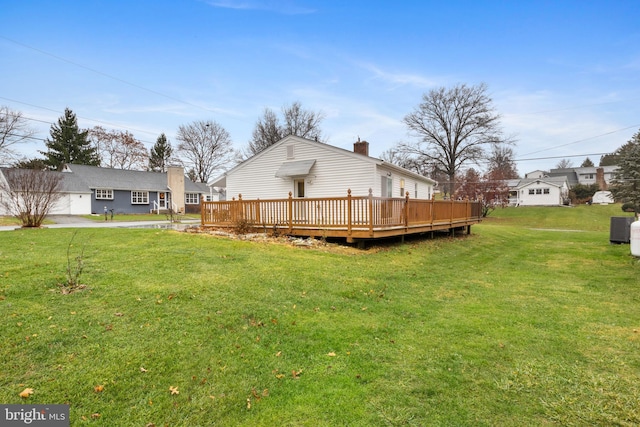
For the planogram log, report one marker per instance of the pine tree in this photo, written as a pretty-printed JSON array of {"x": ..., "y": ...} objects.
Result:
[
  {"x": 587, "y": 163},
  {"x": 69, "y": 144},
  {"x": 160, "y": 154},
  {"x": 626, "y": 184}
]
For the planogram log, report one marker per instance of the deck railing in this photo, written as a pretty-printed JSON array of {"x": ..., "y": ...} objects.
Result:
[{"x": 341, "y": 216}]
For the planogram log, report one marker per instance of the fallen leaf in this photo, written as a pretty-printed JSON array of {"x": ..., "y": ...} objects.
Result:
[
  {"x": 173, "y": 390},
  {"x": 118, "y": 314},
  {"x": 26, "y": 393},
  {"x": 280, "y": 376},
  {"x": 150, "y": 425},
  {"x": 278, "y": 354},
  {"x": 212, "y": 397},
  {"x": 248, "y": 403},
  {"x": 98, "y": 388},
  {"x": 332, "y": 354},
  {"x": 142, "y": 369},
  {"x": 95, "y": 416},
  {"x": 296, "y": 374}
]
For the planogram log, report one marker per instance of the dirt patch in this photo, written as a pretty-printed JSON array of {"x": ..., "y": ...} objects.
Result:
[{"x": 298, "y": 242}]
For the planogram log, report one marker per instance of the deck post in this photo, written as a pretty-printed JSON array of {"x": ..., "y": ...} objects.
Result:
[
  {"x": 290, "y": 212},
  {"x": 406, "y": 213},
  {"x": 240, "y": 208},
  {"x": 349, "y": 219},
  {"x": 202, "y": 207},
  {"x": 433, "y": 207},
  {"x": 370, "y": 212},
  {"x": 451, "y": 206}
]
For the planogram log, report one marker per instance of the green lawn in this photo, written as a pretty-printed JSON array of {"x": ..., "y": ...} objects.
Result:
[{"x": 534, "y": 319}]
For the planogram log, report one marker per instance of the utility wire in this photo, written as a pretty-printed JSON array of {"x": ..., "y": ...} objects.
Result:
[
  {"x": 118, "y": 79},
  {"x": 83, "y": 118},
  {"x": 581, "y": 140}
]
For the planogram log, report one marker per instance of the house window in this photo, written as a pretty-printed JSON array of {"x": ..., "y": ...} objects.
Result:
[
  {"x": 386, "y": 186},
  {"x": 290, "y": 153},
  {"x": 139, "y": 197},
  {"x": 538, "y": 190},
  {"x": 545, "y": 191},
  {"x": 532, "y": 191},
  {"x": 102, "y": 194},
  {"x": 415, "y": 190},
  {"x": 401, "y": 187},
  {"x": 191, "y": 198}
]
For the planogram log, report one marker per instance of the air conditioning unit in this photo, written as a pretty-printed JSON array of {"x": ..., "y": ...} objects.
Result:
[{"x": 620, "y": 231}]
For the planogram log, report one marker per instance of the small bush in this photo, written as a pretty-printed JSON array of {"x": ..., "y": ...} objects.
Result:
[
  {"x": 242, "y": 226},
  {"x": 628, "y": 207}
]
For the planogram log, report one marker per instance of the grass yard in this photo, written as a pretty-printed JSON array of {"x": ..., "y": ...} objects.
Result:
[{"x": 534, "y": 319}]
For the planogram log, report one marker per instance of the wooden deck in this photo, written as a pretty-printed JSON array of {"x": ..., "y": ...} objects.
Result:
[{"x": 351, "y": 217}]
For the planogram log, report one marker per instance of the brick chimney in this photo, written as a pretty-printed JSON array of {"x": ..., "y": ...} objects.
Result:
[
  {"x": 602, "y": 185},
  {"x": 361, "y": 147}
]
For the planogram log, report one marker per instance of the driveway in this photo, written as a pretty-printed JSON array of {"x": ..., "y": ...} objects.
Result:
[{"x": 70, "y": 221}]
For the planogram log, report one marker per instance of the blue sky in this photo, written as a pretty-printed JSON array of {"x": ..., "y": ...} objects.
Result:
[{"x": 564, "y": 75}]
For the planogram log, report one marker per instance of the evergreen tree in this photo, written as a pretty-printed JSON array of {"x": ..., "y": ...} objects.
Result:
[
  {"x": 160, "y": 154},
  {"x": 69, "y": 144},
  {"x": 587, "y": 163},
  {"x": 626, "y": 184}
]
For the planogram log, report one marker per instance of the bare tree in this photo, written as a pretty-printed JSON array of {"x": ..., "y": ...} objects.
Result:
[
  {"x": 30, "y": 194},
  {"x": 205, "y": 147},
  {"x": 407, "y": 161},
  {"x": 501, "y": 163},
  {"x": 454, "y": 126},
  {"x": 118, "y": 149},
  {"x": 266, "y": 132},
  {"x": 301, "y": 122},
  {"x": 13, "y": 130},
  {"x": 564, "y": 164},
  {"x": 297, "y": 121}
]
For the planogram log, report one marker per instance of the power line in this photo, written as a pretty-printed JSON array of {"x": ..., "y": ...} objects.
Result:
[
  {"x": 582, "y": 140},
  {"x": 80, "y": 117},
  {"x": 561, "y": 157},
  {"x": 118, "y": 79}
]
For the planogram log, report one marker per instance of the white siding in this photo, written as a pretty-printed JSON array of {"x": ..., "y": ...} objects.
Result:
[
  {"x": 334, "y": 172},
  {"x": 425, "y": 191},
  {"x": 554, "y": 198},
  {"x": 331, "y": 175}
]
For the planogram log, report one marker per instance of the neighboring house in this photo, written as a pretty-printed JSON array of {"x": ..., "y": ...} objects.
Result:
[
  {"x": 91, "y": 189},
  {"x": 545, "y": 191},
  {"x": 75, "y": 198},
  {"x": 311, "y": 169},
  {"x": 601, "y": 175},
  {"x": 130, "y": 191},
  {"x": 536, "y": 174}
]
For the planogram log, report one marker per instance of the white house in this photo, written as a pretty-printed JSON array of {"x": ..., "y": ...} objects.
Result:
[
  {"x": 311, "y": 169},
  {"x": 545, "y": 191}
]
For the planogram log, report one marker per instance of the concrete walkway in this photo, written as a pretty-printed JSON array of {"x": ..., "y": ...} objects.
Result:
[{"x": 63, "y": 221}]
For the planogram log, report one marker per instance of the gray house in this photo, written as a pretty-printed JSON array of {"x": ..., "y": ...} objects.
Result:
[{"x": 128, "y": 191}]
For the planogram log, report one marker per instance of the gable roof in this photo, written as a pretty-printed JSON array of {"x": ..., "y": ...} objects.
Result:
[
  {"x": 556, "y": 181},
  {"x": 123, "y": 179},
  {"x": 68, "y": 182},
  {"x": 119, "y": 179},
  {"x": 220, "y": 181}
]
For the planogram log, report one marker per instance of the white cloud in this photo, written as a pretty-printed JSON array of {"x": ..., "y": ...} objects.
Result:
[{"x": 283, "y": 7}]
